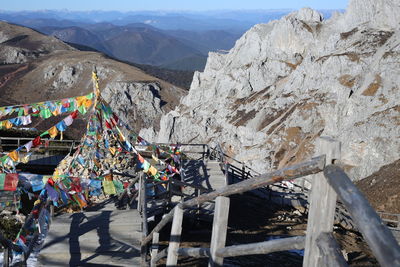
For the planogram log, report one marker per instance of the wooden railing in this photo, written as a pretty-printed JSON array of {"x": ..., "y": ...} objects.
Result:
[
  {"x": 320, "y": 247},
  {"x": 220, "y": 213}
]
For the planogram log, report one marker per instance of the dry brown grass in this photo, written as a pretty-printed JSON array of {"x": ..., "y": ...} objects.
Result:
[
  {"x": 373, "y": 87},
  {"x": 347, "y": 80},
  {"x": 345, "y": 35}
]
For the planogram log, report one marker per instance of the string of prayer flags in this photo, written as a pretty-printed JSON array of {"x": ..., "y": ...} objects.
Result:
[
  {"x": 13, "y": 157},
  {"x": 44, "y": 110}
]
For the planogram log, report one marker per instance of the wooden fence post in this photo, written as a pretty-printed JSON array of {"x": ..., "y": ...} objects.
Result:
[
  {"x": 154, "y": 249},
  {"x": 220, "y": 225},
  {"x": 139, "y": 204},
  {"x": 322, "y": 204},
  {"x": 175, "y": 238},
  {"x": 6, "y": 257},
  {"x": 227, "y": 179},
  {"x": 145, "y": 230}
]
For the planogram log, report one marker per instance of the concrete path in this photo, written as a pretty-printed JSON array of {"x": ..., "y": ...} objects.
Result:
[{"x": 102, "y": 237}]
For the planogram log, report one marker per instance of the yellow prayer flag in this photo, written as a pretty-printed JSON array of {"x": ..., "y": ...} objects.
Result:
[
  {"x": 8, "y": 124},
  {"x": 53, "y": 132},
  {"x": 152, "y": 171},
  {"x": 109, "y": 188},
  {"x": 112, "y": 150},
  {"x": 13, "y": 155},
  {"x": 80, "y": 100},
  {"x": 154, "y": 158},
  {"x": 88, "y": 103}
]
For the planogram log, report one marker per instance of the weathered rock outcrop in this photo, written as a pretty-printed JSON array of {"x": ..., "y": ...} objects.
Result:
[{"x": 289, "y": 81}]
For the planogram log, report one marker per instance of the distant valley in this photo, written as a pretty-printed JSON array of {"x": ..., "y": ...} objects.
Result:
[{"x": 168, "y": 40}]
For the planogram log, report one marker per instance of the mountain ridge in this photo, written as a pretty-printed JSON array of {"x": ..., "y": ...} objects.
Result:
[{"x": 289, "y": 81}]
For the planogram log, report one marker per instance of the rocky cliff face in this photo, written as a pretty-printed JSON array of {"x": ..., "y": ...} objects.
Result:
[
  {"x": 289, "y": 81},
  {"x": 35, "y": 67}
]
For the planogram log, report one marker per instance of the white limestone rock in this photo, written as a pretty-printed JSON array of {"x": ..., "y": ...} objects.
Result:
[{"x": 289, "y": 81}]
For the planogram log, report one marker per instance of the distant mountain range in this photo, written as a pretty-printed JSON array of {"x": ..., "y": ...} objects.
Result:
[{"x": 174, "y": 40}]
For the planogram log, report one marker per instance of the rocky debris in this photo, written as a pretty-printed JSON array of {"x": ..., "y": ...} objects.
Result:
[
  {"x": 118, "y": 163},
  {"x": 9, "y": 224},
  {"x": 289, "y": 81},
  {"x": 387, "y": 180}
]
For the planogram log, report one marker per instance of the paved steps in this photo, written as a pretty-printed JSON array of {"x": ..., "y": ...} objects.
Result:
[
  {"x": 107, "y": 237},
  {"x": 215, "y": 175}
]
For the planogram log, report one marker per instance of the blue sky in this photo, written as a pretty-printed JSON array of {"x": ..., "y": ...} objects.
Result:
[{"x": 131, "y": 5}]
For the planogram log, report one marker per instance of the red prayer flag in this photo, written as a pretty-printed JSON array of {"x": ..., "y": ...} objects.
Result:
[
  {"x": 108, "y": 125},
  {"x": 74, "y": 114},
  {"x": 11, "y": 182},
  {"x": 36, "y": 142},
  {"x": 50, "y": 181}
]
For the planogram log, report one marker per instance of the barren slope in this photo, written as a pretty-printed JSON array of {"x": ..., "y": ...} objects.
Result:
[{"x": 36, "y": 67}]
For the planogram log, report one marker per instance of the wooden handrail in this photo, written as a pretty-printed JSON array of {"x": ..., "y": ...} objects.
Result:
[
  {"x": 180, "y": 183},
  {"x": 378, "y": 236},
  {"x": 282, "y": 244},
  {"x": 292, "y": 172}
]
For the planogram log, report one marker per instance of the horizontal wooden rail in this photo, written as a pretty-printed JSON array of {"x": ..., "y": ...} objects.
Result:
[
  {"x": 292, "y": 172},
  {"x": 194, "y": 252},
  {"x": 199, "y": 187},
  {"x": 378, "y": 236},
  {"x": 282, "y": 244}
]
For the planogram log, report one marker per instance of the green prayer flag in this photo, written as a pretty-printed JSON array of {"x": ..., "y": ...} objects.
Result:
[
  {"x": 90, "y": 96},
  {"x": 2, "y": 180},
  {"x": 20, "y": 112},
  {"x": 71, "y": 106},
  {"x": 82, "y": 109},
  {"x": 146, "y": 166},
  {"x": 4, "y": 159},
  {"x": 118, "y": 186},
  {"x": 45, "y": 113}
]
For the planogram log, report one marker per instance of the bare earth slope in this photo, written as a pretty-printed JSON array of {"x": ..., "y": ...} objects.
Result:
[{"x": 36, "y": 68}]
